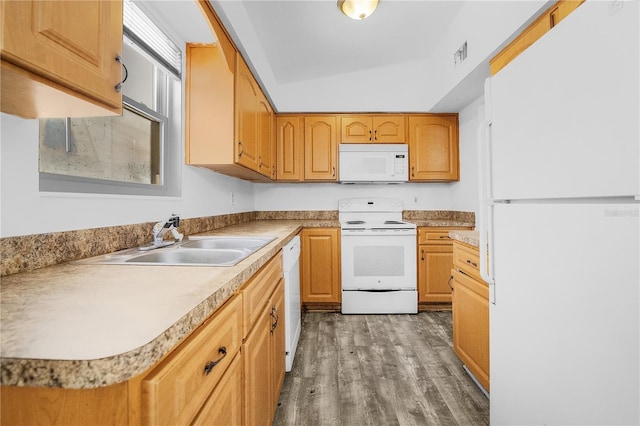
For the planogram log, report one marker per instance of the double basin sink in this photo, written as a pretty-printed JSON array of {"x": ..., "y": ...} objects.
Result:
[{"x": 195, "y": 251}]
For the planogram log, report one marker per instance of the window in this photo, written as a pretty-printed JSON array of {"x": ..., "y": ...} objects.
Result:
[{"x": 138, "y": 153}]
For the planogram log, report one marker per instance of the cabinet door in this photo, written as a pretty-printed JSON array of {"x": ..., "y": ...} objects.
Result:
[
  {"x": 266, "y": 148},
  {"x": 246, "y": 115},
  {"x": 320, "y": 267},
  {"x": 277, "y": 342},
  {"x": 434, "y": 270},
  {"x": 320, "y": 148},
  {"x": 289, "y": 148},
  {"x": 356, "y": 129},
  {"x": 258, "y": 408},
  {"x": 71, "y": 44},
  {"x": 389, "y": 129},
  {"x": 206, "y": 73},
  {"x": 433, "y": 148},
  {"x": 471, "y": 325}
]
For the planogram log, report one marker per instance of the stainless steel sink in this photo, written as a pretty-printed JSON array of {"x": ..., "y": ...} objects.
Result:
[
  {"x": 236, "y": 243},
  {"x": 196, "y": 251},
  {"x": 195, "y": 257}
]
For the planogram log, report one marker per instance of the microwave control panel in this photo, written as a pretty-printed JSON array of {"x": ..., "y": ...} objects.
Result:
[{"x": 400, "y": 166}]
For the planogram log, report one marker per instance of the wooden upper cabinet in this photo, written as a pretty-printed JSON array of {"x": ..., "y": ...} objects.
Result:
[
  {"x": 384, "y": 128},
  {"x": 254, "y": 121},
  {"x": 320, "y": 148},
  {"x": 209, "y": 113},
  {"x": 266, "y": 140},
  {"x": 433, "y": 148},
  {"x": 246, "y": 116},
  {"x": 59, "y": 58},
  {"x": 549, "y": 19},
  {"x": 290, "y": 147}
]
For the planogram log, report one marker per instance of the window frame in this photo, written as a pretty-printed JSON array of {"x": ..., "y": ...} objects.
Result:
[{"x": 168, "y": 100}]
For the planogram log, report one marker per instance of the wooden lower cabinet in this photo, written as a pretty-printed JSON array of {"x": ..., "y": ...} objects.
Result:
[
  {"x": 470, "y": 315},
  {"x": 435, "y": 260},
  {"x": 320, "y": 267},
  {"x": 257, "y": 405},
  {"x": 264, "y": 347}
]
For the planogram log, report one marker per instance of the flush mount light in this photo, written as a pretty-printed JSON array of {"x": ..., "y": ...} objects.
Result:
[{"x": 357, "y": 9}]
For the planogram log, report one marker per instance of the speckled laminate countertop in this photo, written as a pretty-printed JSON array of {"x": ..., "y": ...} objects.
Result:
[
  {"x": 86, "y": 326},
  {"x": 469, "y": 237}
]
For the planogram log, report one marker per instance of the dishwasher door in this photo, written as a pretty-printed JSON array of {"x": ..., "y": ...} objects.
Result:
[{"x": 292, "y": 316}]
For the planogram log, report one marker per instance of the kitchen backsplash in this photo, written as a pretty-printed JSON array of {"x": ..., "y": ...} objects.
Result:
[{"x": 29, "y": 252}]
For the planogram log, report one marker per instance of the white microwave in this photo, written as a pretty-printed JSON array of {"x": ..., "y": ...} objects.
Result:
[{"x": 373, "y": 163}]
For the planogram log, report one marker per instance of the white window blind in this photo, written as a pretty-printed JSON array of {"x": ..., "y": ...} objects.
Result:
[{"x": 147, "y": 35}]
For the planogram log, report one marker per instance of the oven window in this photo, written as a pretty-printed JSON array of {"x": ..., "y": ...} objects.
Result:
[{"x": 378, "y": 261}]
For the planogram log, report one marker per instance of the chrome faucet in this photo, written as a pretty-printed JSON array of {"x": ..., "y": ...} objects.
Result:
[
  {"x": 159, "y": 231},
  {"x": 161, "y": 228}
]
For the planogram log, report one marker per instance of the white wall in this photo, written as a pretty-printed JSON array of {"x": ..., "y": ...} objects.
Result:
[
  {"x": 24, "y": 210},
  {"x": 462, "y": 195}
]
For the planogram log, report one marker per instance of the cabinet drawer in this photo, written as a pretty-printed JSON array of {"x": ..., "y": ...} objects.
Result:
[
  {"x": 257, "y": 291},
  {"x": 466, "y": 259},
  {"x": 224, "y": 407},
  {"x": 175, "y": 391},
  {"x": 436, "y": 235}
]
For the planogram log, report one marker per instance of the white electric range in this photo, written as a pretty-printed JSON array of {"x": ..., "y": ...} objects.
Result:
[{"x": 378, "y": 251}]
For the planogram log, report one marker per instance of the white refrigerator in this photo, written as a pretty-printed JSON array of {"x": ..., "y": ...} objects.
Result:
[{"x": 559, "y": 219}]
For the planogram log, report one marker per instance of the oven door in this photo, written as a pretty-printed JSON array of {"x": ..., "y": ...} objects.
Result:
[{"x": 378, "y": 262}]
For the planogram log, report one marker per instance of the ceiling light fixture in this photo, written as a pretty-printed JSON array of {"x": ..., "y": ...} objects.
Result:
[{"x": 357, "y": 9}]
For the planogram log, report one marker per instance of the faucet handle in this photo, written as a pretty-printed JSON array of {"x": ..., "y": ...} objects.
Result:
[{"x": 174, "y": 220}]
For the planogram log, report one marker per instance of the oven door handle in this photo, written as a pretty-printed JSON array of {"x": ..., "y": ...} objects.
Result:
[{"x": 379, "y": 291}]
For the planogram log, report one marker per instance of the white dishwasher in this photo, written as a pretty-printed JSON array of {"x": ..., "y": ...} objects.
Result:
[{"x": 292, "y": 323}]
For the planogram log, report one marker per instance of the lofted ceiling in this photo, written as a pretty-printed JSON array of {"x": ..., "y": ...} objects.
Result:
[
  {"x": 309, "y": 57},
  {"x": 307, "y": 40}
]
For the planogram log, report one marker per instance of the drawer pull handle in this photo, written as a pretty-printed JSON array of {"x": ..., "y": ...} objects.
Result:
[
  {"x": 211, "y": 364},
  {"x": 422, "y": 252},
  {"x": 444, "y": 237},
  {"x": 274, "y": 315},
  {"x": 126, "y": 74},
  {"x": 449, "y": 282},
  {"x": 474, "y": 264}
]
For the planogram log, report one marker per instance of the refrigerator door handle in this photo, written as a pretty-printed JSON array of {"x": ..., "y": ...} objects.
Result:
[
  {"x": 485, "y": 212},
  {"x": 486, "y": 248}
]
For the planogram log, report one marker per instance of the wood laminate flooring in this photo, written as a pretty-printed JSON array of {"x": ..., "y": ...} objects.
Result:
[{"x": 379, "y": 370}]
